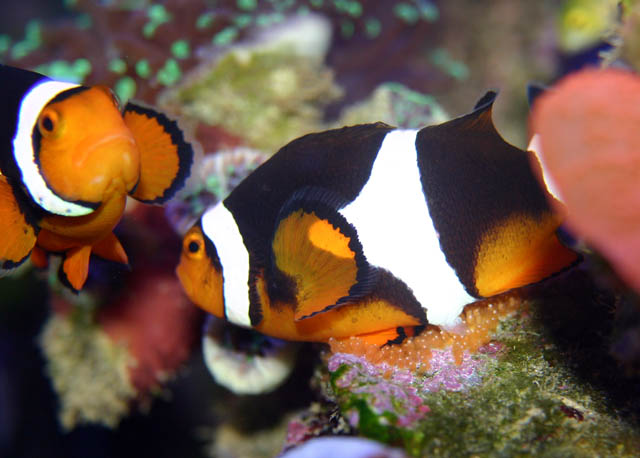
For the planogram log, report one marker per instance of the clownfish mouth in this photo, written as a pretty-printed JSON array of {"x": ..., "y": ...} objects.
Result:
[
  {"x": 106, "y": 162},
  {"x": 120, "y": 145}
]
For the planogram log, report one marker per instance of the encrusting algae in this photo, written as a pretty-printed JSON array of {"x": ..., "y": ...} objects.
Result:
[
  {"x": 89, "y": 373},
  {"x": 478, "y": 322}
]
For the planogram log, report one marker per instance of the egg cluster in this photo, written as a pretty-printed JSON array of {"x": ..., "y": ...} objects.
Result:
[{"x": 479, "y": 321}]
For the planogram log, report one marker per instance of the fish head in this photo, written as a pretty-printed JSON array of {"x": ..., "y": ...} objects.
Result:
[
  {"x": 200, "y": 271},
  {"x": 85, "y": 150}
]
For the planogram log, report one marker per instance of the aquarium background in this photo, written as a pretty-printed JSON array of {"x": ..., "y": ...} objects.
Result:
[{"x": 407, "y": 63}]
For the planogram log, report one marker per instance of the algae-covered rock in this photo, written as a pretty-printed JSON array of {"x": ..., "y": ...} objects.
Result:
[
  {"x": 269, "y": 91},
  {"x": 545, "y": 386},
  {"x": 89, "y": 372},
  {"x": 396, "y": 105}
]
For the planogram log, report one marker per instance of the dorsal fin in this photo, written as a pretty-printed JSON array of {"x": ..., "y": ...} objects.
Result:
[
  {"x": 316, "y": 255},
  {"x": 492, "y": 215},
  {"x": 485, "y": 100}
]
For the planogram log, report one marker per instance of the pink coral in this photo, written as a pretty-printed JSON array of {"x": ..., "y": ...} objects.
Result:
[
  {"x": 156, "y": 323},
  {"x": 590, "y": 146}
]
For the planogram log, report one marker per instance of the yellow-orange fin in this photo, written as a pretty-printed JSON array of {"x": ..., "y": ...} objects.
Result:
[
  {"x": 317, "y": 257},
  {"x": 18, "y": 234},
  {"x": 390, "y": 336},
  {"x": 110, "y": 248},
  {"x": 165, "y": 156},
  {"x": 75, "y": 267},
  {"x": 519, "y": 251}
]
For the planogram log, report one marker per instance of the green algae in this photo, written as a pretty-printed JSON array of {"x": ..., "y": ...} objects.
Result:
[
  {"x": 372, "y": 27},
  {"x": 170, "y": 73},
  {"x": 225, "y": 36},
  {"x": 452, "y": 67},
  {"x": 118, "y": 66},
  {"x": 247, "y": 5},
  {"x": 5, "y": 43},
  {"x": 143, "y": 68},
  {"x": 74, "y": 72},
  {"x": 584, "y": 23},
  {"x": 125, "y": 88},
  {"x": 518, "y": 410},
  {"x": 157, "y": 15},
  {"x": 32, "y": 40},
  {"x": 406, "y": 12},
  {"x": 347, "y": 28},
  {"x": 181, "y": 49},
  {"x": 205, "y": 20}
]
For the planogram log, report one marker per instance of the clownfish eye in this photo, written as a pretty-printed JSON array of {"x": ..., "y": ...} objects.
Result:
[
  {"x": 193, "y": 245},
  {"x": 47, "y": 122}
]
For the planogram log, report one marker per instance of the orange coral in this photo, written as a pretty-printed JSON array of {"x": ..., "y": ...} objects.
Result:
[
  {"x": 479, "y": 321},
  {"x": 588, "y": 127}
]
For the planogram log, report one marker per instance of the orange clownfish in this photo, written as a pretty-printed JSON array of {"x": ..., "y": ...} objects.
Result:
[
  {"x": 69, "y": 159},
  {"x": 374, "y": 231}
]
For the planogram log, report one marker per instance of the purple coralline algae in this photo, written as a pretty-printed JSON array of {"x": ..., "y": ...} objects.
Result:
[
  {"x": 445, "y": 374},
  {"x": 396, "y": 395}
]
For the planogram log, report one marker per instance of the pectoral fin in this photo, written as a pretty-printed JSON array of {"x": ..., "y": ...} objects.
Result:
[
  {"x": 18, "y": 235},
  {"x": 318, "y": 251},
  {"x": 165, "y": 157}
]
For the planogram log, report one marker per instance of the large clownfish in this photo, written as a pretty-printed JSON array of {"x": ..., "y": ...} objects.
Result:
[
  {"x": 69, "y": 158},
  {"x": 374, "y": 231}
]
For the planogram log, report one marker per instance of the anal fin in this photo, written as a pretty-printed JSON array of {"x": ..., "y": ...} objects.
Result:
[
  {"x": 519, "y": 251},
  {"x": 18, "y": 235},
  {"x": 318, "y": 250},
  {"x": 165, "y": 157}
]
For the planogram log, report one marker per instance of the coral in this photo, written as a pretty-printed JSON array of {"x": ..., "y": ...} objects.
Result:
[
  {"x": 395, "y": 400},
  {"x": 589, "y": 147},
  {"x": 396, "y": 105},
  {"x": 158, "y": 333},
  {"x": 119, "y": 342},
  {"x": 149, "y": 45},
  {"x": 212, "y": 179},
  {"x": 103, "y": 359},
  {"x": 270, "y": 90},
  {"x": 88, "y": 371},
  {"x": 244, "y": 361},
  {"x": 584, "y": 23}
]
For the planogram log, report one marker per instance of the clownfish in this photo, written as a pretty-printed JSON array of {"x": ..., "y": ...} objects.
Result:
[
  {"x": 374, "y": 231},
  {"x": 69, "y": 158}
]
